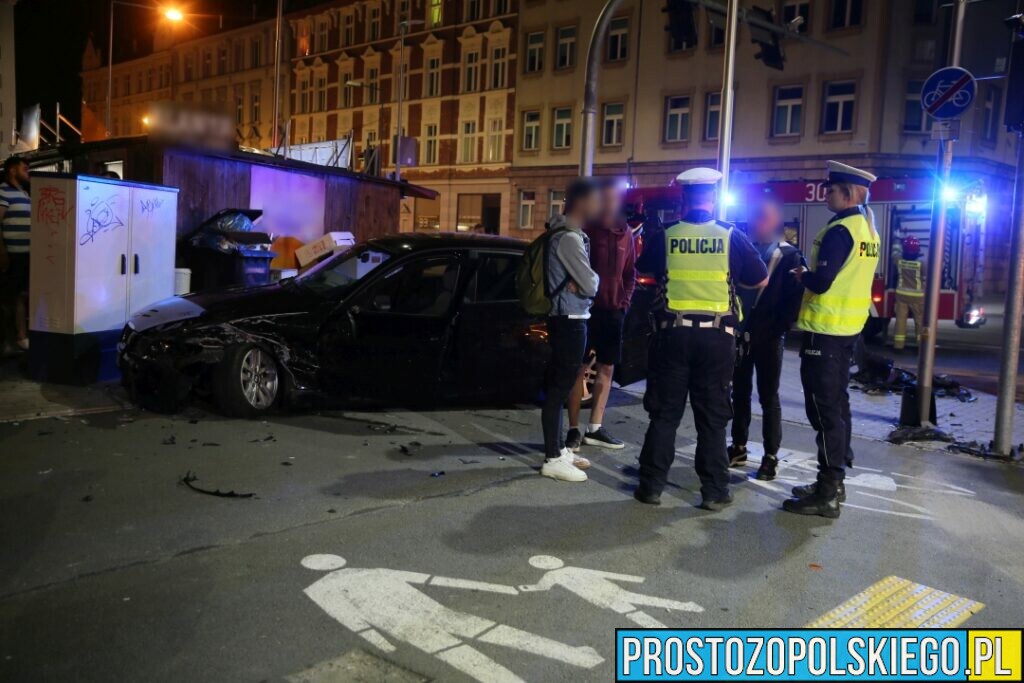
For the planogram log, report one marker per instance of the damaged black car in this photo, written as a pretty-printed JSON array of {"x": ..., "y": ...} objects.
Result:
[{"x": 400, "y": 320}]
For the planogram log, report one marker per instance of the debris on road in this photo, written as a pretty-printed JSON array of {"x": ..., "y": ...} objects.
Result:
[
  {"x": 189, "y": 479},
  {"x": 410, "y": 448},
  {"x": 169, "y": 441},
  {"x": 468, "y": 462},
  {"x": 210, "y": 443},
  {"x": 903, "y": 435},
  {"x": 877, "y": 374},
  {"x": 984, "y": 450},
  {"x": 87, "y": 499},
  {"x": 437, "y": 475}
]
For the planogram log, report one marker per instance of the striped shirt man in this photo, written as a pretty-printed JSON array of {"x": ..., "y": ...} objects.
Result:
[{"x": 17, "y": 218}]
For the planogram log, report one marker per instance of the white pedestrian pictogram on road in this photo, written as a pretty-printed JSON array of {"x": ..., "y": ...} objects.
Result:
[
  {"x": 378, "y": 604},
  {"x": 598, "y": 588}
]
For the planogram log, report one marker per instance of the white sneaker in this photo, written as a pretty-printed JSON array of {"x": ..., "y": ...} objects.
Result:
[
  {"x": 563, "y": 469},
  {"x": 580, "y": 462},
  {"x": 23, "y": 344}
]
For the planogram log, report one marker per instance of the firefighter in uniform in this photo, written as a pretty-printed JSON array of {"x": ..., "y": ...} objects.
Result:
[
  {"x": 836, "y": 304},
  {"x": 699, "y": 262},
  {"x": 909, "y": 291}
]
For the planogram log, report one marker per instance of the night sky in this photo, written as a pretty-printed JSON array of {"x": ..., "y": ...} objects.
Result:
[{"x": 50, "y": 36}]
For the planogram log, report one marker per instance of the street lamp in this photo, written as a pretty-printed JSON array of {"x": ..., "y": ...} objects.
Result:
[
  {"x": 170, "y": 13},
  {"x": 403, "y": 28}
]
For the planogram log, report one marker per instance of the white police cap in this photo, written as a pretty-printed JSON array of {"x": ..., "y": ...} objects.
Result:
[
  {"x": 698, "y": 176},
  {"x": 841, "y": 173}
]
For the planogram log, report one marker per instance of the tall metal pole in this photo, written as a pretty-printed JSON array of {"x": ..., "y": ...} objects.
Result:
[
  {"x": 936, "y": 251},
  {"x": 110, "y": 65},
  {"x": 726, "y": 100},
  {"x": 590, "y": 85},
  {"x": 403, "y": 26},
  {"x": 1006, "y": 400},
  {"x": 277, "y": 70}
]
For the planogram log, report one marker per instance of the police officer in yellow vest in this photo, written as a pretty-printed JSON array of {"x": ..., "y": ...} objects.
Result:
[
  {"x": 909, "y": 291},
  {"x": 700, "y": 262},
  {"x": 836, "y": 305}
]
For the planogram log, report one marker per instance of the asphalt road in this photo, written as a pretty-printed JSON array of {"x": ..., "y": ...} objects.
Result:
[{"x": 113, "y": 570}]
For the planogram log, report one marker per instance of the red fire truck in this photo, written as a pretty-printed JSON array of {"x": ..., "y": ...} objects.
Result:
[{"x": 902, "y": 206}]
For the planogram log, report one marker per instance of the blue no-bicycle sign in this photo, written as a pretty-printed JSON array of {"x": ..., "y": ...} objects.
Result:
[{"x": 948, "y": 93}]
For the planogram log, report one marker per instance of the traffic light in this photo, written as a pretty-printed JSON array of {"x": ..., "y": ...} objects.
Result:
[
  {"x": 681, "y": 22},
  {"x": 771, "y": 47}
]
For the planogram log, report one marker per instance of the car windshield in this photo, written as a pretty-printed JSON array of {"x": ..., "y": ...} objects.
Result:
[{"x": 337, "y": 274}]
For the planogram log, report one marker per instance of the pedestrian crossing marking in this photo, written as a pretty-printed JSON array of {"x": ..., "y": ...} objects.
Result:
[{"x": 898, "y": 603}]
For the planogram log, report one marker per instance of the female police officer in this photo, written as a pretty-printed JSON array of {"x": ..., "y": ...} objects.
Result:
[{"x": 835, "y": 307}]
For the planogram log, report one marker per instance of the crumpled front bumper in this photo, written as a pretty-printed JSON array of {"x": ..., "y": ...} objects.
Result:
[{"x": 160, "y": 371}]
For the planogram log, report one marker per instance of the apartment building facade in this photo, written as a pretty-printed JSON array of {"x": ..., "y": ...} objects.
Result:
[
  {"x": 659, "y": 101},
  {"x": 231, "y": 72},
  {"x": 458, "y": 100},
  {"x": 9, "y": 117}
]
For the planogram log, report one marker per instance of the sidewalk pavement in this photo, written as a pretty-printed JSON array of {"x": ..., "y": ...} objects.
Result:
[{"x": 24, "y": 399}]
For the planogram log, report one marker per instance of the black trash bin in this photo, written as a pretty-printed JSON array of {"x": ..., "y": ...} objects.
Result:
[{"x": 224, "y": 251}]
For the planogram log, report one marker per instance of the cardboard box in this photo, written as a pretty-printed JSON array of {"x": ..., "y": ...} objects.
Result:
[{"x": 328, "y": 244}]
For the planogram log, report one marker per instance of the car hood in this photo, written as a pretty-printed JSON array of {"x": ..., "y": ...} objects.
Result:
[{"x": 224, "y": 305}]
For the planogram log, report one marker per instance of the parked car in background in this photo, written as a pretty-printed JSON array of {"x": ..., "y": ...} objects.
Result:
[{"x": 401, "y": 320}]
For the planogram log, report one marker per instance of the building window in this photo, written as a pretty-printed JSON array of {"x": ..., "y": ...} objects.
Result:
[
  {"x": 467, "y": 143},
  {"x": 915, "y": 120},
  {"x": 837, "y": 114},
  {"x": 677, "y": 119},
  {"x": 992, "y": 110},
  {"x": 254, "y": 106},
  {"x": 499, "y": 68},
  {"x": 787, "y": 110},
  {"x": 618, "y": 40},
  {"x": 321, "y": 92},
  {"x": 495, "y": 148},
  {"x": 565, "y": 55},
  {"x": 500, "y": 7},
  {"x": 432, "y": 83},
  {"x": 348, "y": 29},
  {"x": 304, "y": 95},
  {"x": 474, "y": 9},
  {"x": 222, "y": 59},
  {"x": 403, "y": 13},
  {"x": 791, "y": 9},
  {"x": 611, "y": 129},
  {"x": 321, "y": 36},
  {"x": 677, "y": 45},
  {"x": 471, "y": 72},
  {"x": 845, "y": 13},
  {"x": 435, "y": 15},
  {"x": 372, "y": 86},
  {"x": 374, "y": 22},
  {"x": 189, "y": 68},
  {"x": 239, "y": 105},
  {"x": 534, "y": 52},
  {"x": 239, "y": 55},
  {"x": 712, "y": 114},
  {"x": 562, "y": 131},
  {"x": 717, "y": 36},
  {"x": 207, "y": 63},
  {"x": 256, "y": 52},
  {"x": 346, "y": 90},
  {"x": 557, "y": 202},
  {"x": 430, "y": 144},
  {"x": 531, "y": 131},
  {"x": 527, "y": 200}
]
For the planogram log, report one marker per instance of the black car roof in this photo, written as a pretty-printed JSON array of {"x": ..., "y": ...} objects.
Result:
[{"x": 416, "y": 241}]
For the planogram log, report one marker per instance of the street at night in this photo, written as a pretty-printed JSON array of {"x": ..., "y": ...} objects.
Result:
[{"x": 494, "y": 341}]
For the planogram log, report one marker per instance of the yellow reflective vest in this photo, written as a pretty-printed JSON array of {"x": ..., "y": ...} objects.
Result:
[
  {"x": 844, "y": 308},
  {"x": 909, "y": 278},
  {"x": 697, "y": 256}
]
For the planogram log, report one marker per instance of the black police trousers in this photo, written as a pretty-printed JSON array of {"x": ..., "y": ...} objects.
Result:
[
  {"x": 825, "y": 374},
  {"x": 765, "y": 357},
  {"x": 694, "y": 362}
]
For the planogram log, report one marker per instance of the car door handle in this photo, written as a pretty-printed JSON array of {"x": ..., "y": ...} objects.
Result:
[
  {"x": 124, "y": 264},
  {"x": 136, "y": 268}
]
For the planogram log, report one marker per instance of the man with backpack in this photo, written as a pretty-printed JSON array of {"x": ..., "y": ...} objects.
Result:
[{"x": 567, "y": 290}]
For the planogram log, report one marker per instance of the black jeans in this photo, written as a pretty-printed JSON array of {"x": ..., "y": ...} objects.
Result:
[
  {"x": 825, "y": 374},
  {"x": 697, "y": 362},
  {"x": 568, "y": 340},
  {"x": 765, "y": 357}
]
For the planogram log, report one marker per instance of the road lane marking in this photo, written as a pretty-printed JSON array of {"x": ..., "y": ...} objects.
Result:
[
  {"x": 383, "y": 605},
  {"x": 894, "y": 602}
]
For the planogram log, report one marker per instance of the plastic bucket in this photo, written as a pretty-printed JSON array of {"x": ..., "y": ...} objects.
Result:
[{"x": 182, "y": 281}]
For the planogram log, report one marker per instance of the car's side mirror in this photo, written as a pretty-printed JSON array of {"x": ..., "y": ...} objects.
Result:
[{"x": 382, "y": 302}]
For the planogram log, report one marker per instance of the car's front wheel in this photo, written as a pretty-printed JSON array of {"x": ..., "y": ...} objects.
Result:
[{"x": 247, "y": 382}]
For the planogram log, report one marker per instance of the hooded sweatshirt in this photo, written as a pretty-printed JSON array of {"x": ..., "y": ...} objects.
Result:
[
  {"x": 569, "y": 260},
  {"x": 613, "y": 257}
]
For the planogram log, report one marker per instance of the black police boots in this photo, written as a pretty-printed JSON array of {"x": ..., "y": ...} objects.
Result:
[
  {"x": 814, "y": 504},
  {"x": 717, "y": 504},
  {"x": 647, "y": 498},
  {"x": 737, "y": 455},
  {"x": 766, "y": 472},
  {"x": 809, "y": 489}
]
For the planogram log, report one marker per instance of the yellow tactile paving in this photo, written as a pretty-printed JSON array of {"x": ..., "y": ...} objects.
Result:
[{"x": 898, "y": 603}]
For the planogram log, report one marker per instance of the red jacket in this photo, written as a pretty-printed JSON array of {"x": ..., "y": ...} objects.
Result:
[{"x": 613, "y": 257}]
